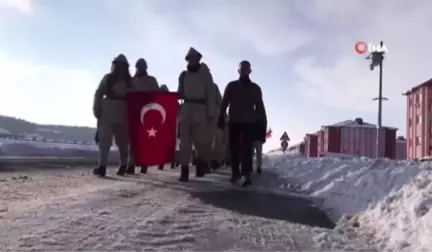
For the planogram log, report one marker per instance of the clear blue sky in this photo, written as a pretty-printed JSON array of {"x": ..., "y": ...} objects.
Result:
[{"x": 53, "y": 54}]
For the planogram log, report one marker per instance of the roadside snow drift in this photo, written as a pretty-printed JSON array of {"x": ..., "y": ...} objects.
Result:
[{"x": 386, "y": 199}]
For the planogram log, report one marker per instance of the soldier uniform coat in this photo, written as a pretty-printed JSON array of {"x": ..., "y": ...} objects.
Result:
[
  {"x": 198, "y": 111},
  {"x": 109, "y": 107}
]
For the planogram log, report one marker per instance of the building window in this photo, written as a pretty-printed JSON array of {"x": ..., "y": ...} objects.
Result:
[
  {"x": 409, "y": 142},
  {"x": 410, "y": 102},
  {"x": 418, "y": 119},
  {"x": 418, "y": 141},
  {"x": 409, "y": 122}
]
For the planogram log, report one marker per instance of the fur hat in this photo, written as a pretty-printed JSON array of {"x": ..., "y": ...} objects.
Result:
[{"x": 193, "y": 52}]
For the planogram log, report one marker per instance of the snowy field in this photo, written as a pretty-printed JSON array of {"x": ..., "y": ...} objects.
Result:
[{"x": 385, "y": 200}]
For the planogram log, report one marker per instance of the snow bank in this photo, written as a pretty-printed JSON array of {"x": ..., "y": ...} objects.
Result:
[
  {"x": 390, "y": 200},
  {"x": 402, "y": 221},
  {"x": 10, "y": 147}
]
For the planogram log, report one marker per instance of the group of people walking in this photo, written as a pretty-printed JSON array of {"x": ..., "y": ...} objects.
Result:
[{"x": 203, "y": 122}]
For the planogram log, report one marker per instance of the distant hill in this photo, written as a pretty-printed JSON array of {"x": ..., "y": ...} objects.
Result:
[{"x": 16, "y": 126}]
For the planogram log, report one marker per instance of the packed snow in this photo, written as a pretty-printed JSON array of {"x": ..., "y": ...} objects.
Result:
[
  {"x": 386, "y": 200},
  {"x": 71, "y": 210}
]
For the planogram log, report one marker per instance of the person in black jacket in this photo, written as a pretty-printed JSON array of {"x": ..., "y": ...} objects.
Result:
[{"x": 246, "y": 106}]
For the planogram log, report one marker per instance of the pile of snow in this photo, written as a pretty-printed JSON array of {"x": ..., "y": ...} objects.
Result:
[
  {"x": 388, "y": 199},
  {"x": 402, "y": 221}
]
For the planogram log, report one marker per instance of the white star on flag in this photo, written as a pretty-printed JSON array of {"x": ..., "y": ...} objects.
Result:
[{"x": 152, "y": 132}]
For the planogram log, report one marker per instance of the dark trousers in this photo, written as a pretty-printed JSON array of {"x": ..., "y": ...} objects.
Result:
[{"x": 241, "y": 154}]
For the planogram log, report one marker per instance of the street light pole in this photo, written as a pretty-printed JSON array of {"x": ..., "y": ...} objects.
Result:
[{"x": 377, "y": 60}]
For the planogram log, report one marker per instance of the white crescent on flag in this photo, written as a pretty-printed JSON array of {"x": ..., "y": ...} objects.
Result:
[{"x": 153, "y": 106}]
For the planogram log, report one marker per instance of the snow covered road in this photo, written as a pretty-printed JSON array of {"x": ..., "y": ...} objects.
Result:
[{"x": 72, "y": 210}]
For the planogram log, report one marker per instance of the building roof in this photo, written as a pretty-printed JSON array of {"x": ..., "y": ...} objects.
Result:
[
  {"x": 356, "y": 123},
  {"x": 427, "y": 83}
]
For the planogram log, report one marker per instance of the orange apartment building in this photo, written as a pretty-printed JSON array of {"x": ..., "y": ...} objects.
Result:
[{"x": 418, "y": 120}]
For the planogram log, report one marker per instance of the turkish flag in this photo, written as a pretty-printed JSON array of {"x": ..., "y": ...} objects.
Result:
[{"x": 152, "y": 118}]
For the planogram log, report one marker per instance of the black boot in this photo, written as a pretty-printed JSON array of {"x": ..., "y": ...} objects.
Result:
[
  {"x": 215, "y": 165},
  {"x": 144, "y": 169},
  {"x": 173, "y": 165},
  {"x": 247, "y": 181},
  {"x": 206, "y": 167},
  {"x": 100, "y": 171},
  {"x": 184, "y": 174},
  {"x": 234, "y": 178},
  {"x": 130, "y": 170},
  {"x": 259, "y": 171},
  {"x": 235, "y": 173},
  {"x": 161, "y": 167},
  {"x": 227, "y": 162},
  {"x": 200, "y": 168},
  {"x": 121, "y": 171}
]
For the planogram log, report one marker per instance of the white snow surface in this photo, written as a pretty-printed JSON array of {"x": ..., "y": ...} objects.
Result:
[
  {"x": 386, "y": 200},
  {"x": 71, "y": 210}
]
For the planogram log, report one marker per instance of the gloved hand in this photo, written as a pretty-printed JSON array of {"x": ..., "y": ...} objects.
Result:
[{"x": 221, "y": 123}]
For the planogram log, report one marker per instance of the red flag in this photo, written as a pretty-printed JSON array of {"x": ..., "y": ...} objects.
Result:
[{"x": 152, "y": 118}]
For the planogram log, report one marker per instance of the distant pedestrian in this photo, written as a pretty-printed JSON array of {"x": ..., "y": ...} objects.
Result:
[
  {"x": 217, "y": 153},
  {"x": 244, "y": 99},
  {"x": 260, "y": 131},
  {"x": 109, "y": 109}
]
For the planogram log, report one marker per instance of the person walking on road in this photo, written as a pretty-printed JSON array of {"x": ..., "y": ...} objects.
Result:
[
  {"x": 216, "y": 133},
  {"x": 260, "y": 130},
  {"x": 142, "y": 81},
  {"x": 109, "y": 109},
  {"x": 245, "y": 101},
  {"x": 197, "y": 91}
]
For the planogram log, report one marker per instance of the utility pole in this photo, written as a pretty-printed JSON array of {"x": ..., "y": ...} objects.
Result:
[{"x": 377, "y": 58}]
